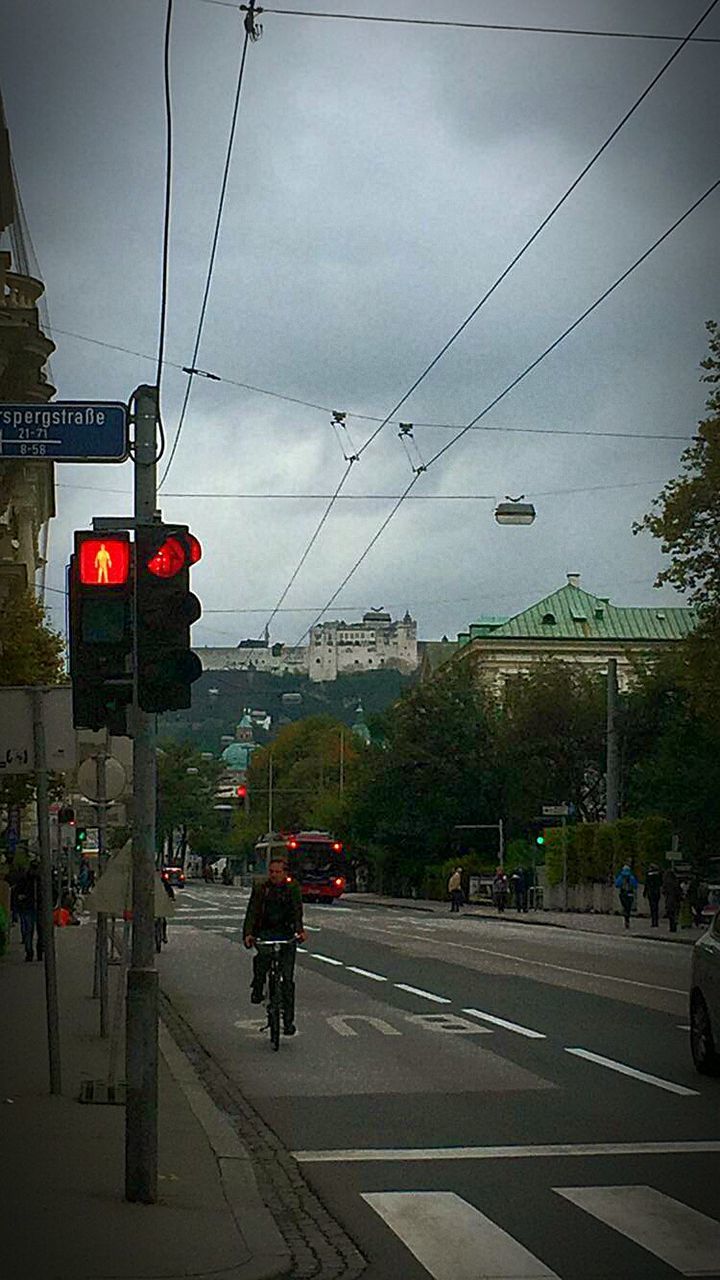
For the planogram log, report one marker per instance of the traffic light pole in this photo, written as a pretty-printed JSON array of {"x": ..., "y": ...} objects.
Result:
[{"x": 142, "y": 985}]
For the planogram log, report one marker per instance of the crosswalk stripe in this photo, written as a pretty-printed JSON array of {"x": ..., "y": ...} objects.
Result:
[
  {"x": 678, "y": 1235},
  {"x": 451, "y": 1238}
]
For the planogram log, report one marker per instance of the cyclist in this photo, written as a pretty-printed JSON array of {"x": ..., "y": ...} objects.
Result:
[{"x": 275, "y": 911}]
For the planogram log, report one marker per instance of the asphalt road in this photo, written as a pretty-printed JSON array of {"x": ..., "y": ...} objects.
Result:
[{"x": 472, "y": 1098}]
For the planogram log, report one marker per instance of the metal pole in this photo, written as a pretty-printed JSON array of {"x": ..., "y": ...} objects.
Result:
[
  {"x": 342, "y": 760},
  {"x": 565, "y": 862},
  {"x": 501, "y": 834},
  {"x": 612, "y": 772},
  {"x": 270, "y": 793},
  {"x": 45, "y": 923},
  {"x": 141, "y": 1053},
  {"x": 101, "y": 935}
]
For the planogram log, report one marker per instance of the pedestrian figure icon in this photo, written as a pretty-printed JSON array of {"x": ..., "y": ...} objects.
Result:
[{"x": 103, "y": 562}]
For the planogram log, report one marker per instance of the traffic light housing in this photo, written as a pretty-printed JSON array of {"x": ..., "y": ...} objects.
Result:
[
  {"x": 100, "y": 587},
  {"x": 80, "y": 838},
  {"x": 164, "y": 611},
  {"x": 243, "y": 796}
]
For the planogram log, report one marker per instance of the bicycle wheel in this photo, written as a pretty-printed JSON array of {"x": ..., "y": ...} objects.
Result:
[{"x": 274, "y": 1009}]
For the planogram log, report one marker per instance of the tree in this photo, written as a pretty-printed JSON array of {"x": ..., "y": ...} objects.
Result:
[
  {"x": 686, "y": 519},
  {"x": 434, "y": 768},
  {"x": 31, "y": 653},
  {"x": 306, "y": 764},
  {"x": 186, "y": 790},
  {"x": 552, "y": 740}
]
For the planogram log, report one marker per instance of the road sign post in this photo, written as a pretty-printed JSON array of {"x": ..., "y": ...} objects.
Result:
[
  {"x": 46, "y": 932},
  {"x": 64, "y": 431}
]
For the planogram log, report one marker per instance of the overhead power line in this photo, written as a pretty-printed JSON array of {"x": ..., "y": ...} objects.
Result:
[
  {"x": 368, "y": 417},
  {"x": 457, "y": 23},
  {"x": 499, "y": 279},
  {"x": 528, "y": 369},
  {"x": 370, "y": 497},
  {"x": 251, "y": 33}
]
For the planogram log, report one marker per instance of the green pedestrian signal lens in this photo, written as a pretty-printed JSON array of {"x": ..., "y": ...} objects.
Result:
[{"x": 539, "y": 839}]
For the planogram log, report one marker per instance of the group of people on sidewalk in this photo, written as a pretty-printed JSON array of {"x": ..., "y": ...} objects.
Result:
[
  {"x": 662, "y": 884},
  {"x": 505, "y": 889},
  {"x": 23, "y": 879}
]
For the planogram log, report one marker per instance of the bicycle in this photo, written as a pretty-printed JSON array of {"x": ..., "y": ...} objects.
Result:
[{"x": 275, "y": 946}]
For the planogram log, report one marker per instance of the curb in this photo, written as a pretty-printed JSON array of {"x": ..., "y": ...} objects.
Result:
[
  {"x": 268, "y": 1255},
  {"x": 534, "y": 923}
]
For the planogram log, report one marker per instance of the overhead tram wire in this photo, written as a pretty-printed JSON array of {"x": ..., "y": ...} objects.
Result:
[
  {"x": 450, "y": 23},
  {"x": 251, "y": 33},
  {"x": 511, "y": 385},
  {"x": 498, "y": 281},
  {"x": 368, "y": 417},
  {"x": 371, "y": 497}
]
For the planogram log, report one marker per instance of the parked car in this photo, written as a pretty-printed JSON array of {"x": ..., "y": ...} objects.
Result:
[
  {"x": 705, "y": 1000},
  {"x": 174, "y": 876}
]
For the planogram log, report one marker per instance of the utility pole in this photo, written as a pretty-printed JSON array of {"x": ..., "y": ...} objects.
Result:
[
  {"x": 45, "y": 931},
  {"x": 101, "y": 936},
  {"x": 142, "y": 984},
  {"x": 270, "y": 792},
  {"x": 563, "y": 823},
  {"x": 342, "y": 760},
  {"x": 612, "y": 770}
]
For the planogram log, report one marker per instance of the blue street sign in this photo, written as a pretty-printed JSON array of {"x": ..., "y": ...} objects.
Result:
[{"x": 64, "y": 431}]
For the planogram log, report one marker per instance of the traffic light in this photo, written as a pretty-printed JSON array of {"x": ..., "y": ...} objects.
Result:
[
  {"x": 243, "y": 796},
  {"x": 540, "y": 839},
  {"x": 80, "y": 838},
  {"x": 100, "y": 607},
  {"x": 165, "y": 609},
  {"x": 66, "y": 815}
]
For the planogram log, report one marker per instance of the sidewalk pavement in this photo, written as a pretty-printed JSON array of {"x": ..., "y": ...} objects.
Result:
[
  {"x": 585, "y": 922},
  {"x": 62, "y": 1168}
]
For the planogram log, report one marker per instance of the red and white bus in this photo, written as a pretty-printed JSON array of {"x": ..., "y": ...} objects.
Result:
[{"x": 316, "y": 860}]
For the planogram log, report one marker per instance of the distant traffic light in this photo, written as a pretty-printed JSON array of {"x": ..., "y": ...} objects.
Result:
[
  {"x": 80, "y": 838},
  {"x": 165, "y": 609},
  {"x": 540, "y": 839},
  {"x": 243, "y": 796},
  {"x": 66, "y": 815},
  {"x": 100, "y": 597}
]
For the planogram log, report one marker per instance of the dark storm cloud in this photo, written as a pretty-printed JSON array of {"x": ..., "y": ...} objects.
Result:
[{"x": 382, "y": 178}]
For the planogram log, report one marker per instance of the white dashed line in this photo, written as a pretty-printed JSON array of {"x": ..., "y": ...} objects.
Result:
[
  {"x": 366, "y": 973},
  {"x": 326, "y": 959},
  {"x": 417, "y": 991},
  {"x": 624, "y": 1070},
  {"x": 509, "y": 1026}
]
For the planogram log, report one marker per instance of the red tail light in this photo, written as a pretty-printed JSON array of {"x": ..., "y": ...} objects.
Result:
[
  {"x": 337, "y": 846},
  {"x": 340, "y": 882}
]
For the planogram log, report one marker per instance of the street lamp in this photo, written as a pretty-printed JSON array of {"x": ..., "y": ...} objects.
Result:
[{"x": 515, "y": 511}]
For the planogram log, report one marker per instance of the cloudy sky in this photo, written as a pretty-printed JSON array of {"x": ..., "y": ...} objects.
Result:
[{"x": 382, "y": 177}]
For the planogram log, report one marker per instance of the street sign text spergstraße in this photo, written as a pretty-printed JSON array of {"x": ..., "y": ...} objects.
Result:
[{"x": 65, "y": 431}]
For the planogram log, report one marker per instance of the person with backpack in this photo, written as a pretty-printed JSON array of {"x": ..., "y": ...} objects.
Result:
[
  {"x": 652, "y": 890},
  {"x": 275, "y": 910},
  {"x": 626, "y": 884}
]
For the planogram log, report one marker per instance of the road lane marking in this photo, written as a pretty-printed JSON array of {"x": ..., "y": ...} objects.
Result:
[
  {"x": 546, "y": 1151},
  {"x": 303, "y": 950},
  {"x": 543, "y": 964},
  {"x": 366, "y": 973},
  {"x": 452, "y": 1023},
  {"x": 312, "y": 928},
  {"x": 340, "y": 1023},
  {"x": 326, "y": 959},
  {"x": 509, "y": 1026},
  {"x": 417, "y": 991},
  {"x": 636, "y": 1075},
  {"x": 678, "y": 1235},
  {"x": 452, "y": 1239}
]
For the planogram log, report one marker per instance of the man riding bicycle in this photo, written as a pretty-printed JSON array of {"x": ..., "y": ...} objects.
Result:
[{"x": 275, "y": 911}]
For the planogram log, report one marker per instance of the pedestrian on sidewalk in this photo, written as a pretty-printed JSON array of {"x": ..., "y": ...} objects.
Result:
[
  {"x": 672, "y": 894},
  {"x": 25, "y": 906},
  {"x": 652, "y": 890},
  {"x": 626, "y": 884},
  {"x": 501, "y": 889},
  {"x": 455, "y": 890},
  {"x": 698, "y": 899},
  {"x": 519, "y": 888}
]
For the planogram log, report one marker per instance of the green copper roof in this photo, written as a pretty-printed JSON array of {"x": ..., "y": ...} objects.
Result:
[{"x": 574, "y": 614}]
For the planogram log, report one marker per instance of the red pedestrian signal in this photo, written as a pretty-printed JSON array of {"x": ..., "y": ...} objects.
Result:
[
  {"x": 104, "y": 562},
  {"x": 241, "y": 792}
]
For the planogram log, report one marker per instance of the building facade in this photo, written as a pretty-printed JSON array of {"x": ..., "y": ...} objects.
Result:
[
  {"x": 27, "y": 489},
  {"x": 573, "y": 625},
  {"x": 335, "y": 648}
]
